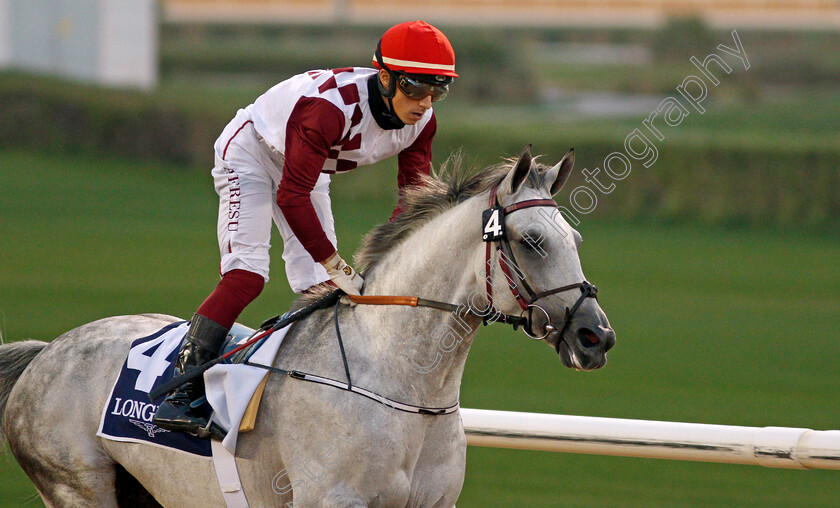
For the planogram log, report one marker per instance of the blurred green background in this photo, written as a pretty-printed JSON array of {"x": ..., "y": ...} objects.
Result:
[{"x": 718, "y": 265}]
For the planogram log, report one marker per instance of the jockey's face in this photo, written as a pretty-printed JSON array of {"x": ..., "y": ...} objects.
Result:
[{"x": 410, "y": 111}]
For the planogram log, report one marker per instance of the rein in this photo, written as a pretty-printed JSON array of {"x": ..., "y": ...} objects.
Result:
[{"x": 414, "y": 301}]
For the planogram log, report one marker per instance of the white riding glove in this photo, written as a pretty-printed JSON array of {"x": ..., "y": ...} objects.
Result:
[{"x": 343, "y": 275}]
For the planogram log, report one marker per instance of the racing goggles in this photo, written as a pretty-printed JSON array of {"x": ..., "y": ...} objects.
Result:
[{"x": 415, "y": 89}]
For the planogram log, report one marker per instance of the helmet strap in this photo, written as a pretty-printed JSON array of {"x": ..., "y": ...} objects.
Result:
[
  {"x": 389, "y": 92},
  {"x": 392, "y": 114}
]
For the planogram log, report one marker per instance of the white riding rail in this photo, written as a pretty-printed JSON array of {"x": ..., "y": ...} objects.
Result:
[{"x": 780, "y": 447}]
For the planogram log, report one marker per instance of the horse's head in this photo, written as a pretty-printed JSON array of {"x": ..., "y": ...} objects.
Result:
[{"x": 537, "y": 258}]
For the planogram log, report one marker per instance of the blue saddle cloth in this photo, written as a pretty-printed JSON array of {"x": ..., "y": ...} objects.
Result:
[{"x": 151, "y": 362}]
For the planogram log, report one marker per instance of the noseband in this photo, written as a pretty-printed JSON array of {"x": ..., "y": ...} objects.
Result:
[{"x": 526, "y": 301}]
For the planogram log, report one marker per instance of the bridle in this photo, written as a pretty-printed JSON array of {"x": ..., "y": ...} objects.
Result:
[{"x": 525, "y": 296}]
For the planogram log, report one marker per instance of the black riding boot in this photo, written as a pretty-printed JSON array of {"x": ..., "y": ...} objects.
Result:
[{"x": 175, "y": 413}]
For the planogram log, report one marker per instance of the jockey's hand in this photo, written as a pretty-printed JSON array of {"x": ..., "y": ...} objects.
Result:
[{"x": 343, "y": 275}]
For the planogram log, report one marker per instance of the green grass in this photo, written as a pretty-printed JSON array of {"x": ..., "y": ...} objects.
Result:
[
  {"x": 792, "y": 119},
  {"x": 716, "y": 326},
  {"x": 629, "y": 78}
]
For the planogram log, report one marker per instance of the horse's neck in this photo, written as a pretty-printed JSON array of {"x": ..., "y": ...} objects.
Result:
[{"x": 423, "y": 350}]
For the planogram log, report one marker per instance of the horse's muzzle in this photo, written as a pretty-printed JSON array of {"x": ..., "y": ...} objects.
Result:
[{"x": 583, "y": 347}]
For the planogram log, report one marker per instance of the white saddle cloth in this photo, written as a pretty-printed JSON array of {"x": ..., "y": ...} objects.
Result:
[{"x": 229, "y": 387}]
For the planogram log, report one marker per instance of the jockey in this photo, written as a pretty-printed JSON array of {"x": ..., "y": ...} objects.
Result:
[{"x": 274, "y": 161}]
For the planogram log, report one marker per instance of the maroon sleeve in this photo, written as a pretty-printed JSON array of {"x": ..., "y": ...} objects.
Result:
[
  {"x": 313, "y": 127},
  {"x": 414, "y": 161}
]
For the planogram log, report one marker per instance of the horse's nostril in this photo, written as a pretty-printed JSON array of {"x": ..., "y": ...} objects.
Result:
[
  {"x": 601, "y": 337},
  {"x": 588, "y": 338}
]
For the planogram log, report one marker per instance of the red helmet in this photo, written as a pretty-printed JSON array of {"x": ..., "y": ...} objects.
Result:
[{"x": 415, "y": 47}]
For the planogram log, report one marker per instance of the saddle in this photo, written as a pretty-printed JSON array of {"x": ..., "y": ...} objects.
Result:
[{"x": 237, "y": 335}]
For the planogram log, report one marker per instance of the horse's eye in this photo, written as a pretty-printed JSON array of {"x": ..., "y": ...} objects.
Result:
[
  {"x": 527, "y": 243},
  {"x": 531, "y": 240}
]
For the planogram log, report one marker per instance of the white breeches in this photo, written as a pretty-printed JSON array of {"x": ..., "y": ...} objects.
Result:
[{"x": 247, "y": 175}]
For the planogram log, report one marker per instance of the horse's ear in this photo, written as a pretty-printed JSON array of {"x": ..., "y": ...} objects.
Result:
[
  {"x": 560, "y": 173},
  {"x": 516, "y": 176}
]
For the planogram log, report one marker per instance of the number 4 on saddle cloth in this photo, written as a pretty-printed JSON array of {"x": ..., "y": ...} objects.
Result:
[{"x": 233, "y": 390}]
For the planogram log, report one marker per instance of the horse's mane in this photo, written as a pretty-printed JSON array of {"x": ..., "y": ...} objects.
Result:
[{"x": 452, "y": 183}]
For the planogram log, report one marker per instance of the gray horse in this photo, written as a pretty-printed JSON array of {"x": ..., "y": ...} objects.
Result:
[{"x": 315, "y": 445}]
